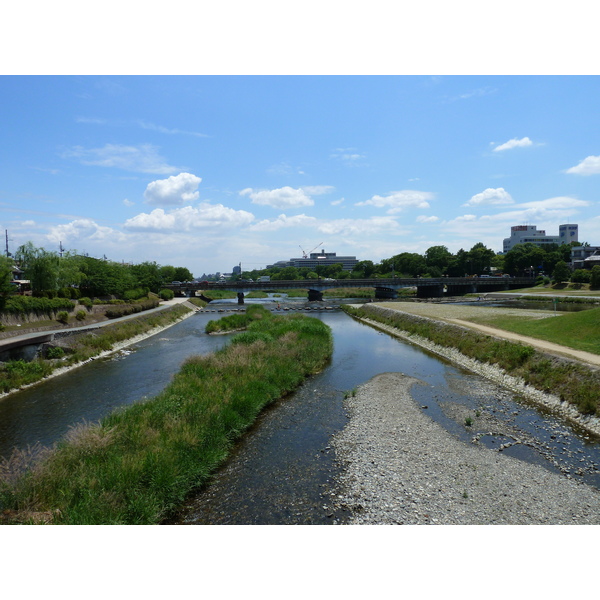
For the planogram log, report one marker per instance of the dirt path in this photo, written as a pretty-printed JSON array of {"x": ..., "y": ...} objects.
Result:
[{"x": 460, "y": 314}]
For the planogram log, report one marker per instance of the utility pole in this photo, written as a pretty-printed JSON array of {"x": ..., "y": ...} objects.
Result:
[{"x": 7, "y": 252}]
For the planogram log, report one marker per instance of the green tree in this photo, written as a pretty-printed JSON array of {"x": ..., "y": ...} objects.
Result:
[
  {"x": 480, "y": 258},
  {"x": 6, "y": 288},
  {"x": 561, "y": 272},
  {"x": 595, "y": 278},
  {"x": 40, "y": 267},
  {"x": 182, "y": 274},
  {"x": 147, "y": 275},
  {"x": 522, "y": 258},
  {"x": 438, "y": 256}
]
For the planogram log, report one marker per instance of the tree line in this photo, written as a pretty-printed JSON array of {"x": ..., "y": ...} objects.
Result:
[
  {"x": 438, "y": 261},
  {"x": 72, "y": 275}
]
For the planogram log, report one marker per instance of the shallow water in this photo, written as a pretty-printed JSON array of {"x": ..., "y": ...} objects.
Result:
[{"x": 283, "y": 471}]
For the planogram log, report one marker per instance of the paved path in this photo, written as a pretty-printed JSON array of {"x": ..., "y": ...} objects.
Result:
[
  {"x": 33, "y": 337},
  {"x": 459, "y": 315}
]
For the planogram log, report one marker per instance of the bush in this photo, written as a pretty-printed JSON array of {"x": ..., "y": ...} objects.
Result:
[
  {"x": 87, "y": 302},
  {"x": 166, "y": 294},
  {"x": 63, "y": 317},
  {"x": 80, "y": 315},
  {"x": 135, "y": 294},
  {"x": 55, "y": 352}
]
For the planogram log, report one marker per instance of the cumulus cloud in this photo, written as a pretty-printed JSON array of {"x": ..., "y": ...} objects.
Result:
[
  {"x": 283, "y": 221},
  {"x": 514, "y": 143},
  {"x": 399, "y": 201},
  {"x": 588, "y": 166},
  {"x": 176, "y": 190},
  {"x": 189, "y": 218},
  {"x": 425, "y": 219},
  {"x": 81, "y": 230},
  {"x": 490, "y": 196},
  {"x": 143, "y": 158},
  {"x": 285, "y": 197},
  {"x": 128, "y": 202}
]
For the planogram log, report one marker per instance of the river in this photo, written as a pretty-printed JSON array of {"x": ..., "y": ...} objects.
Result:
[{"x": 284, "y": 469}]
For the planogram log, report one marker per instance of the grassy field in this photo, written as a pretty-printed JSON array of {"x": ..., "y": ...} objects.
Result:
[
  {"x": 140, "y": 463},
  {"x": 578, "y": 330}
]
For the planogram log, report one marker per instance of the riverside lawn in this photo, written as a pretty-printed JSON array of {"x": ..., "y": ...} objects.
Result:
[{"x": 137, "y": 465}]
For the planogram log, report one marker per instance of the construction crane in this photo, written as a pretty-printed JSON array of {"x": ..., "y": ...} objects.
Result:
[{"x": 307, "y": 254}]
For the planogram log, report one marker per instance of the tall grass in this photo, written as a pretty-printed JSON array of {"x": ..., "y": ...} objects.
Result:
[
  {"x": 571, "y": 382},
  {"x": 138, "y": 464}
]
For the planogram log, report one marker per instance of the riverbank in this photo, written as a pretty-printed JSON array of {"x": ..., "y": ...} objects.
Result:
[
  {"x": 401, "y": 467},
  {"x": 127, "y": 337},
  {"x": 548, "y": 381}
]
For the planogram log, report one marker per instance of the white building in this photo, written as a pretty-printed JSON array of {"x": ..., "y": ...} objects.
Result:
[
  {"x": 319, "y": 258},
  {"x": 523, "y": 234}
]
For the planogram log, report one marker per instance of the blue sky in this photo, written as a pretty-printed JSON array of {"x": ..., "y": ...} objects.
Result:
[{"x": 212, "y": 171}]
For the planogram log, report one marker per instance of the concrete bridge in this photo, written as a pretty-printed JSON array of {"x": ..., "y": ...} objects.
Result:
[{"x": 437, "y": 287}]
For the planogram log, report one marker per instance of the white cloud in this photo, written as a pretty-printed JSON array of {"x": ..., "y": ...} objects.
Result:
[
  {"x": 317, "y": 190},
  {"x": 347, "y": 155},
  {"x": 143, "y": 158},
  {"x": 424, "y": 219},
  {"x": 285, "y": 197},
  {"x": 358, "y": 226},
  {"x": 128, "y": 202},
  {"x": 82, "y": 230},
  {"x": 283, "y": 221},
  {"x": 514, "y": 143},
  {"x": 176, "y": 190},
  {"x": 398, "y": 201},
  {"x": 588, "y": 166},
  {"x": 490, "y": 196},
  {"x": 558, "y": 202},
  {"x": 189, "y": 218},
  {"x": 161, "y": 129},
  {"x": 337, "y": 202}
]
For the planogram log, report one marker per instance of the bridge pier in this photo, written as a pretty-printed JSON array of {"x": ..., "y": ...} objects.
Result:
[
  {"x": 430, "y": 291},
  {"x": 315, "y": 295},
  {"x": 382, "y": 293},
  {"x": 240, "y": 297}
]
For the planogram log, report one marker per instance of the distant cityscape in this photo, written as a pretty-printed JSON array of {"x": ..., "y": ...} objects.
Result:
[{"x": 582, "y": 256}]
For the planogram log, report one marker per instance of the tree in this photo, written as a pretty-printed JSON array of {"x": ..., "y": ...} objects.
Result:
[
  {"x": 365, "y": 269},
  {"x": 520, "y": 259},
  {"x": 480, "y": 258},
  {"x": 439, "y": 257},
  {"x": 40, "y": 267},
  {"x": 561, "y": 272},
  {"x": 182, "y": 274},
  {"x": 6, "y": 288},
  {"x": 595, "y": 278}
]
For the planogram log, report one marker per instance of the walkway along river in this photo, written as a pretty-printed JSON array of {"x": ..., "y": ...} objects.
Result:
[{"x": 284, "y": 470}]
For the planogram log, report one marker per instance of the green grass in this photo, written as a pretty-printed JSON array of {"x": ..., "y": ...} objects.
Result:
[
  {"x": 578, "y": 330},
  {"x": 141, "y": 462}
]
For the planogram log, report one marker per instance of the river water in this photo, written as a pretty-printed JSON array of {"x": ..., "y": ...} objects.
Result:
[{"x": 284, "y": 471}]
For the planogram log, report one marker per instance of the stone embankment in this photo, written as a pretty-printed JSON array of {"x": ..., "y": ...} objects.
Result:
[{"x": 401, "y": 467}]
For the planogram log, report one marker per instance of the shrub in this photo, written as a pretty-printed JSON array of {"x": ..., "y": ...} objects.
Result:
[
  {"x": 166, "y": 294},
  {"x": 80, "y": 315},
  {"x": 55, "y": 352},
  {"x": 63, "y": 317},
  {"x": 87, "y": 302}
]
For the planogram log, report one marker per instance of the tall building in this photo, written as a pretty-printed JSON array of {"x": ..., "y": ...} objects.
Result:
[
  {"x": 523, "y": 234},
  {"x": 318, "y": 258}
]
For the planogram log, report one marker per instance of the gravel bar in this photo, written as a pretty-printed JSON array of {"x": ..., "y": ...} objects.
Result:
[{"x": 401, "y": 467}]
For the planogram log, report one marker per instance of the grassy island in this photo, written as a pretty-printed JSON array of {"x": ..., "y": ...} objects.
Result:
[{"x": 137, "y": 465}]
